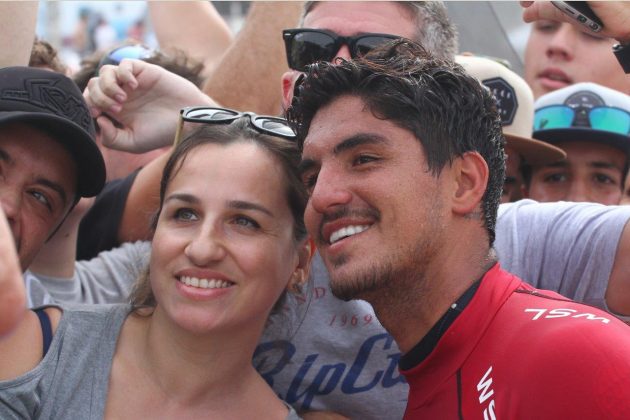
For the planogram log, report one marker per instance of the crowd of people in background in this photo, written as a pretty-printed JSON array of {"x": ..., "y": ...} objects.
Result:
[{"x": 395, "y": 230}]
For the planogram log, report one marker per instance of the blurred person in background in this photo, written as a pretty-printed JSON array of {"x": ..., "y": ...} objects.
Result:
[
  {"x": 558, "y": 54},
  {"x": 45, "y": 56},
  {"x": 592, "y": 124},
  {"x": 515, "y": 104}
]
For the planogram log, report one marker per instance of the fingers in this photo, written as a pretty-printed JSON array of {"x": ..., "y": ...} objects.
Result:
[
  {"x": 111, "y": 136},
  {"x": 109, "y": 91},
  {"x": 535, "y": 10}
]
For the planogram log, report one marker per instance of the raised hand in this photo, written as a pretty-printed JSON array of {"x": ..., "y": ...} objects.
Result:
[
  {"x": 615, "y": 15},
  {"x": 136, "y": 104}
]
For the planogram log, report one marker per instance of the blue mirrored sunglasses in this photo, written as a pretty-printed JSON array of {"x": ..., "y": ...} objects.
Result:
[
  {"x": 114, "y": 57},
  {"x": 603, "y": 118},
  {"x": 273, "y": 126}
]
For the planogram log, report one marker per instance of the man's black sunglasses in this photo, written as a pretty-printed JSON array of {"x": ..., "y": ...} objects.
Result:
[{"x": 307, "y": 46}]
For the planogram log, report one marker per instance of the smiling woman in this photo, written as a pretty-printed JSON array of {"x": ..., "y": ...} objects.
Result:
[{"x": 229, "y": 239}]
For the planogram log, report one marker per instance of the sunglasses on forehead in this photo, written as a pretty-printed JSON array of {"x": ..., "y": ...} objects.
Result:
[
  {"x": 274, "y": 126},
  {"x": 603, "y": 118},
  {"x": 307, "y": 46}
]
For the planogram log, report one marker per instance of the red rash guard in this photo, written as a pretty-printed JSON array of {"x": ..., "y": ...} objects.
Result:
[{"x": 516, "y": 352}]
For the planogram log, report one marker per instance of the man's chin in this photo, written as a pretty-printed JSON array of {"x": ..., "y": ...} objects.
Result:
[{"x": 355, "y": 283}]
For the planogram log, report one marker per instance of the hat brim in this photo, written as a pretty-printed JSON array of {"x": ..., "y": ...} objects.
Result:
[
  {"x": 78, "y": 142},
  {"x": 535, "y": 152},
  {"x": 561, "y": 135}
]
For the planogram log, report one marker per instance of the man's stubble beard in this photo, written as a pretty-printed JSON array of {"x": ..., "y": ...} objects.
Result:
[{"x": 399, "y": 276}]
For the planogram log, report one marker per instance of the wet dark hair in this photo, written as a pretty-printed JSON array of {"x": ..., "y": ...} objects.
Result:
[
  {"x": 448, "y": 111},
  {"x": 285, "y": 152}
]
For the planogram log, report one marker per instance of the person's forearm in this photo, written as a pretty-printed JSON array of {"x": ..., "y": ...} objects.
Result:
[
  {"x": 142, "y": 202},
  {"x": 57, "y": 257},
  {"x": 17, "y": 20},
  {"x": 248, "y": 76},
  {"x": 206, "y": 37}
]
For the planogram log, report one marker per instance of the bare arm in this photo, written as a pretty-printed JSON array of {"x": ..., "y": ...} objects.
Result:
[
  {"x": 17, "y": 20},
  {"x": 12, "y": 291},
  {"x": 58, "y": 255},
  {"x": 248, "y": 76},
  {"x": 618, "y": 291},
  {"x": 206, "y": 35},
  {"x": 142, "y": 202}
]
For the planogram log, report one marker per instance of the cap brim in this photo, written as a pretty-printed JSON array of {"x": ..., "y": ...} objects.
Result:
[
  {"x": 535, "y": 152},
  {"x": 77, "y": 141},
  {"x": 560, "y": 135}
]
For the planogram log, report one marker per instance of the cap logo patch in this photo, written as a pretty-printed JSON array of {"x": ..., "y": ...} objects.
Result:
[
  {"x": 45, "y": 94},
  {"x": 507, "y": 104},
  {"x": 582, "y": 102}
]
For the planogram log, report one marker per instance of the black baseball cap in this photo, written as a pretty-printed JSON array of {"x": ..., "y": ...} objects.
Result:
[{"x": 52, "y": 103}]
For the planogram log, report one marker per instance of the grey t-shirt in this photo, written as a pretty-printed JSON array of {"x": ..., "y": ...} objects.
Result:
[
  {"x": 108, "y": 278},
  {"x": 338, "y": 357},
  {"x": 71, "y": 381}
]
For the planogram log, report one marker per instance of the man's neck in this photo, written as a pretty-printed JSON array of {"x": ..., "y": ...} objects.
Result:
[{"x": 411, "y": 308}]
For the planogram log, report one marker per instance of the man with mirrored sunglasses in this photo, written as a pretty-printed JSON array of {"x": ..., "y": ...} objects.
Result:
[{"x": 592, "y": 124}]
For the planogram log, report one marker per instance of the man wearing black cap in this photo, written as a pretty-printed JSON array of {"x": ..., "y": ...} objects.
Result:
[{"x": 48, "y": 157}]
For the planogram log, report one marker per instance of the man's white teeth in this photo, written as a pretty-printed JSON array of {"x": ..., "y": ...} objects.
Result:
[
  {"x": 204, "y": 283},
  {"x": 344, "y": 232}
]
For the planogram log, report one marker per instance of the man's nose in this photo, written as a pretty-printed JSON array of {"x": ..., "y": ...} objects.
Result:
[
  {"x": 344, "y": 52},
  {"x": 329, "y": 192}
]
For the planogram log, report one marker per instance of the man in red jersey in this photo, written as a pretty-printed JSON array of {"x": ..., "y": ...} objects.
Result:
[{"x": 403, "y": 156}]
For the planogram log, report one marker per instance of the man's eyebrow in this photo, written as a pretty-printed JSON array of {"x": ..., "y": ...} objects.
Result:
[
  {"x": 561, "y": 164},
  {"x": 248, "y": 205},
  {"x": 603, "y": 165},
  {"x": 360, "y": 139},
  {"x": 356, "y": 140}
]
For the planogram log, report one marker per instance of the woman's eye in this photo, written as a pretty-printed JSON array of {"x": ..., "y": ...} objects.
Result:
[
  {"x": 185, "y": 215},
  {"x": 246, "y": 222}
]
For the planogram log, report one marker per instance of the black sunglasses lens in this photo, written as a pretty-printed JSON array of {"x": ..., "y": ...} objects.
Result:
[
  {"x": 211, "y": 114},
  {"x": 279, "y": 127},
  {"x": 367, "y": 43},
  {"x": 310, "y": 47}
]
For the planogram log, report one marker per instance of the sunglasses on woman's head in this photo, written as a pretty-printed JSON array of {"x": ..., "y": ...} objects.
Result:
[
  {"x": 265, "y": 124},
  {"x": 307, "y": 46}
]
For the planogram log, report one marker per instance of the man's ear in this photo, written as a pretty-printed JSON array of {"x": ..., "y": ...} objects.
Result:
[
  {"x": 471, "y": 179},
  {"x": 300, "y": 275},
  {"x": 288, "y": 80}
]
